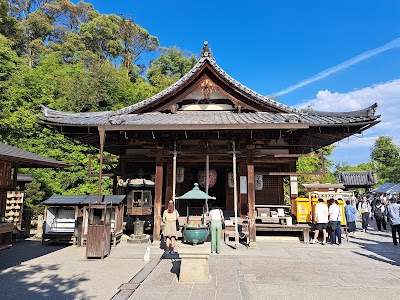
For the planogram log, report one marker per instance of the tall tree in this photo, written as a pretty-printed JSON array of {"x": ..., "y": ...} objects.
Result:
[
  {"x": 386, "y": 159},
  {"x": 135, "y": 41},
  {"x": 172, "y": 64},
  {"x": 312, "y": 164}
]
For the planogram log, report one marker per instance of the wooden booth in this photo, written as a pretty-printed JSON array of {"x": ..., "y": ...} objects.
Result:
[
  {"x": 67, "y": 218},
  {"x": 11, "y": 200},
  {"x": 209, "y": 128}
]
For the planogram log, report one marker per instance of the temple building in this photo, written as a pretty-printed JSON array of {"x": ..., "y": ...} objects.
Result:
[{"x": 207, "y": 123}]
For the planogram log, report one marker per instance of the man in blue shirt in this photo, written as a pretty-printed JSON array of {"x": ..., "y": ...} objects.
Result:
[{"x": 392, "y": 212}]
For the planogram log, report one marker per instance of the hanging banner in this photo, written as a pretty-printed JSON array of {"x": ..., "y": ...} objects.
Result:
[
  {"x": 180, "y": 174},
  {"x": 243, "y": 184},
  {"x": 230, "y": 180},
  {"x": 212, "y": 178},
  {"x": 258, "y": 185}
]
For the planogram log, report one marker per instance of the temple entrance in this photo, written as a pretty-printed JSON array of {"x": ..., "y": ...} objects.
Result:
[{"x": 217, "y": 190}]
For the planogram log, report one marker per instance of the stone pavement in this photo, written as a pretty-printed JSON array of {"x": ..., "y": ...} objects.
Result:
[{"x": 365, "y": 268}]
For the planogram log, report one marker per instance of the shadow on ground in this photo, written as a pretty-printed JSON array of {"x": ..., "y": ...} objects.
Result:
[
  {"x": 380, "y": 251},
  {"x": 21, "y": 283},
  {"x": 25, "y": 250}
]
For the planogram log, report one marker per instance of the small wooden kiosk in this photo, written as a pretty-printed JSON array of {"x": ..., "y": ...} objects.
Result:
[
  {"x": 67, "y": 218},
  {"x": 98, "y": 243}
]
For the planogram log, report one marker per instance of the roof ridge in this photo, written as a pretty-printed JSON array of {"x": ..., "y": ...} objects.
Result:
[{"x": 367, "y": 112}]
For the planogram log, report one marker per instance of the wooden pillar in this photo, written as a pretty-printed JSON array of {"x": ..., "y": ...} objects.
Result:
[
  {"x": 158, "y": 196},
  {"x": 102, "y": 134},
  {"x": 243, "y": 197},
  {"x": 14, "y": 179},
  {"x": 169, "y": 183},
  {"x": 251, "y": 196}
]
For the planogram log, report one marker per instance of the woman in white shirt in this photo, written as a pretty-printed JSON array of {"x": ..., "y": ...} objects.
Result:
[{"x": 216, "y": 217}]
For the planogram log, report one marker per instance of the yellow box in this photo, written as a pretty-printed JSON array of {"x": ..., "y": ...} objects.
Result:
[{"x": 301, "y": 208}]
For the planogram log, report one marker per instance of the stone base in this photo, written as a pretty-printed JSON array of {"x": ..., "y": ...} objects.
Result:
[
  {"x": 253, "y": 245},
  {"x": 138, "y": 239},
  {"x": 194, "y": 264}
]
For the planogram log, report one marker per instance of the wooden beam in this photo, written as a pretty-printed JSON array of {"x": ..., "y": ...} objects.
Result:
[
  {"x": 202, "y": 127},
  {"x": 251, "y": 196},
  {"x": 158, "y": 196},
  {"x": 102, "y": 135},
  {"x": 295, "y": 155},
  {"x": 294, "y": 174}
]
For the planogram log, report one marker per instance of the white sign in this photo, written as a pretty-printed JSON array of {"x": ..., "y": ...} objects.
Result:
[
  {"x": 294, "y": 187},
  {"x": 243, "y": 184}
]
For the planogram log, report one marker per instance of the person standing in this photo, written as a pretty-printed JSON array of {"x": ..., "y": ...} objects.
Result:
[
  {"x": 392, "y": 212},
  {"x": 379, "y": 214},
  {"x": 373, "y": 204},
  {"x": 365, "y": 210},
  {"x": 335, "y": 218},
  {"x": 351, "y": 214},
  {"x": 170, "y": 216},
  {"x": 216, "y": 217},
  {"x": 320, "y": 220}
]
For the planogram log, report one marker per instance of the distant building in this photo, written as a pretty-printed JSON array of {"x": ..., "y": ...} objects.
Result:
[{"x": 358, "y": 179}]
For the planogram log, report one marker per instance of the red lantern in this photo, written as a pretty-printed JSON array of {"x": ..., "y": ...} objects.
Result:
[{"x": 212, "y": 178}]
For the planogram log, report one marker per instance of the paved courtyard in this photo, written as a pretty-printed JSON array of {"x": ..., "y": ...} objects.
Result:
[{"x": 367, "y": 267}]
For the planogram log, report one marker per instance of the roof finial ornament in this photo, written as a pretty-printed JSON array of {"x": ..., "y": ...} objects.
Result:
[{"x": 206, "y": 51}]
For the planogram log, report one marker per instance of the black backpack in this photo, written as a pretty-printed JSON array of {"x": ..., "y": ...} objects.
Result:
[{"x": 378, "y": 213}]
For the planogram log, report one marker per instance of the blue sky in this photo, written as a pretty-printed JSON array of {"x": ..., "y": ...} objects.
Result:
[{"x": 272, "y": 45}]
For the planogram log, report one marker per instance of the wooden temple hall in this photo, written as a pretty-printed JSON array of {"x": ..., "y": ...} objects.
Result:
[{"x": 207, "y": 123}]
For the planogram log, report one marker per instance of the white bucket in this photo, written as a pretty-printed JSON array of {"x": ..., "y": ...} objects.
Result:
[{"x": 289, "y": 221}]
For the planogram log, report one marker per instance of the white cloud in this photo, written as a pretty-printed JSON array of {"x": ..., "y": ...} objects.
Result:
[
  {"x": 342, "y": 66},
  {"x": 386, "y": 94}
]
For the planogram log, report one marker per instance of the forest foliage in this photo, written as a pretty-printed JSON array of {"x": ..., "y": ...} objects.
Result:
[{"x": 70, "y": 57}]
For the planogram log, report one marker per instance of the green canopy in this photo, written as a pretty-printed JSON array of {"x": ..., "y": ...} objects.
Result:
[{"x": 195, "y": 193}]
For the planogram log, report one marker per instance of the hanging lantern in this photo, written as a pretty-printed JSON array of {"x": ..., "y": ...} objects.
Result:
[
  {"x": 212, "y": 178},
  {"x": 180, "y": 174},
  {"x": 230, "y": 180},
  {"x": 258, "y": 182}
]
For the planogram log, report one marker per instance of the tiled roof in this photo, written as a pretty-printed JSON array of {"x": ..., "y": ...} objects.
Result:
[
  {"x": 357, "y": 178},
  {"x": 384, "y": 188},
  {"x": 206, "y": 118},
  {"x": 82, "y": 199},
  {"x": 27, "y": 159},
  {"x": 285, "y": 114}
]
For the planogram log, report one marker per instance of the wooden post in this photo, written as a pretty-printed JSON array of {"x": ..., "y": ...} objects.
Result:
[
  {"x": 168, "y": 183},
  {"x": 174, "y": 174},
  {"x": 207, "y": 179},
  {"x": 158, "y": 196},
  {"x": 235, "y": 200},
  {"x": 243, "y": 197},
  {"x": 102, "y": 134},
  {"x": 251, "y": 196}
]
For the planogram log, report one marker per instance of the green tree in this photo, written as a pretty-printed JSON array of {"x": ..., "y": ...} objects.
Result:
[
  {"x": 135, "y": 41},
  {"x": 172, "y": 64},
  {"x": 386, "y": 160},
  {"x": 313, "y": 164},
  {"x": 101, "y": 36},
  {"x": 33, "y": 198}
]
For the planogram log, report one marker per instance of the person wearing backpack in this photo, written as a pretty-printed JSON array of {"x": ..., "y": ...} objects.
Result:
[
  {"x": 393, "y": 215},
  {"x": 379, "y": 212}
]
